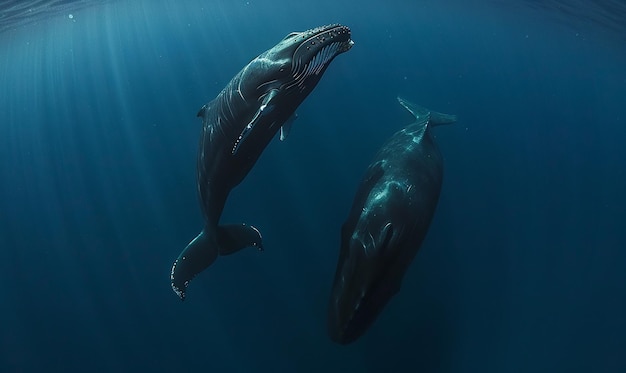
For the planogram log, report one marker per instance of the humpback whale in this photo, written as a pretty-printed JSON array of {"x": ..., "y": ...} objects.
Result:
[
  {"x": 237, "y": 126},
  {"x": 389, "y": 218}
]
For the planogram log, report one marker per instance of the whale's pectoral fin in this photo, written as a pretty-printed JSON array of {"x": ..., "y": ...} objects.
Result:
[
  {"x": 266, "y": 107},
  {"x": 200, "y": 253},
  {"x": 286, "y": 127},
  {"x": 232, "y": 238}
]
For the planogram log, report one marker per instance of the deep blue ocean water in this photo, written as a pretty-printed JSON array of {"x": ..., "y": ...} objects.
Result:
[{"x": 524, "y": 266}]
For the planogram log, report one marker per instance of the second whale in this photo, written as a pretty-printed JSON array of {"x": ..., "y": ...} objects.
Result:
[{"x": 389, "y": 219}]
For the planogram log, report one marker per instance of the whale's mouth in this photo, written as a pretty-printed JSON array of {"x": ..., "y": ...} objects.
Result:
[{"x": 317, "y": 49}]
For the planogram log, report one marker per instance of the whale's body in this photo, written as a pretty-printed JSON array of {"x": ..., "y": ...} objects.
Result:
[
  {"x": 389, "y": 219},
  {"x": 237, "y": 126}
]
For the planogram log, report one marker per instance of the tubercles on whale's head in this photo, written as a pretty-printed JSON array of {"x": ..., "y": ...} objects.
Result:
[
  {"x": 315, "y": 49},
  {"x": 302, "y": 57}
]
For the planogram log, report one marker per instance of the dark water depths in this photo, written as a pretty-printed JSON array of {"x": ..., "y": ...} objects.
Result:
[{"x": 523, "y": 268}]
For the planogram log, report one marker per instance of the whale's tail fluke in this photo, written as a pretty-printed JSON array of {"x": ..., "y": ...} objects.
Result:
[
  {"x": 429, "y": 117},
  {"x": 202, "y": 251}
]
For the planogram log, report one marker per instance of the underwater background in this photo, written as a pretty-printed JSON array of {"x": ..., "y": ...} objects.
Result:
[{"x": 524, "y": 266}]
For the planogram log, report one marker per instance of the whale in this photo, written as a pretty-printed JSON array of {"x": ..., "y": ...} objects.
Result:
[
  {"x": 238, "y": 124},
  {"x": 389, "y": 218}
]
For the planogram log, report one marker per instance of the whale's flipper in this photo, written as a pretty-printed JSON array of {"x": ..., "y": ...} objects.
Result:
[
  {"x": 202, "y": 251},
  {"x": 286, "y": 127},
  {"x": 267, "y": 106},
  {"x": 427, "y": 116}
]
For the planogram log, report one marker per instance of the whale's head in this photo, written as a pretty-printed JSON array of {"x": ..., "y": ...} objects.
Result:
[
  {"x": 298, "y": 61},
  {"x": 265, "y": 94},
  {"x": 372, "y": 262}
]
